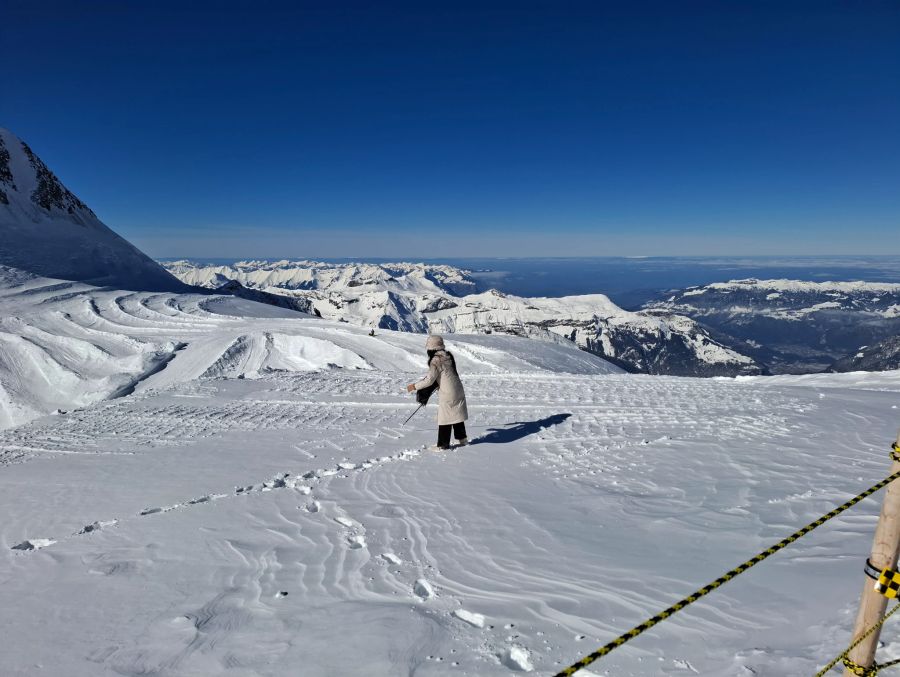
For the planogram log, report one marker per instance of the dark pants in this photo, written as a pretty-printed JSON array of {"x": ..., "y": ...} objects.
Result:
[{"x": 459, "y": 432}]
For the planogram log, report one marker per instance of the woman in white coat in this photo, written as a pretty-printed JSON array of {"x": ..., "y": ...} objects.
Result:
[{"x": 452, "y": 410}]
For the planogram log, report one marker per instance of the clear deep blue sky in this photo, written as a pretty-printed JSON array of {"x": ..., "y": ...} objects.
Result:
[{"x": 457, "y": 129}]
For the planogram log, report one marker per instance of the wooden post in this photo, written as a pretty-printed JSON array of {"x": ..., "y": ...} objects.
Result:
[{"x": 884, "y": 555}]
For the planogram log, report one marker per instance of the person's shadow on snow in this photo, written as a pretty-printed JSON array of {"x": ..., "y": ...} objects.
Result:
[{"x": 519, "y": 430}]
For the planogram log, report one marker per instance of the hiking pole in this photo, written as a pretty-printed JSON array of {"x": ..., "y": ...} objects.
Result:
[{"x": 413, "y": 414}]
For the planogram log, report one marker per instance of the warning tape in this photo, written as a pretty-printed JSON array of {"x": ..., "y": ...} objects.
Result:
[
  {"x": 854, "y": 667},
  {"x": 863, "y": 671},
  {"x": 724, "y": 578}
]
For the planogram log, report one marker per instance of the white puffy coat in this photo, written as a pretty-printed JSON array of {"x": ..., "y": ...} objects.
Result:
[{"x": 451, "y": 396}]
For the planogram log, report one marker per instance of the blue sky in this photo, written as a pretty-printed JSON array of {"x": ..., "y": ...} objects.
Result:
[{"x": 468, "y": 129}]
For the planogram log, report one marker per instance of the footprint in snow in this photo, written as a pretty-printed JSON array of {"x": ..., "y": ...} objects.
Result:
[
  {"x": 34, "y": 544},
  {"x": 96, "y": 526},
  {"x": 473, "y": 619},
  {"x": 205, "y": 499},
  {"x": 423, "y": 589},
  {"x": 684, "y": 665},
  {"x": 153, "y": 511},
  {"x": 517, "y": 658}
]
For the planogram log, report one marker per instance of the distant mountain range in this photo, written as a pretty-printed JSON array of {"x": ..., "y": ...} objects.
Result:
[
  {"x": 794, "y": 326},
  {"x": 881, "y": 356},
  {"x": 436, "y": 298}
]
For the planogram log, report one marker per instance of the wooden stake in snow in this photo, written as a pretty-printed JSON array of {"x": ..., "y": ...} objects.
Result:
[{"x": 885, "y": 549}]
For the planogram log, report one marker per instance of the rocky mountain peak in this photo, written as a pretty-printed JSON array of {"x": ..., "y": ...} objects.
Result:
[{"x": 49, "y": 232}]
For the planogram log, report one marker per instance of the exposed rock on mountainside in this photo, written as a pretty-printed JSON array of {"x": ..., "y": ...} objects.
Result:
[
  {"x": 50, "y": 194},
  {"x": 423, "y": 298},
  {"x": 790, "y": 325},
  {"x": 46, "y": 230}
]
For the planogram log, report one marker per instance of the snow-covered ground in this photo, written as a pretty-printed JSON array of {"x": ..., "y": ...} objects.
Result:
[{"x": 250, "y": 510}]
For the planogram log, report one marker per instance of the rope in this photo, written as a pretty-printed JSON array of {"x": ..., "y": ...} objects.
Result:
[
  {"x": 845, "y": 656},
  {"x": 724, "y": 578},
  {"x": 863, "y": 671}
]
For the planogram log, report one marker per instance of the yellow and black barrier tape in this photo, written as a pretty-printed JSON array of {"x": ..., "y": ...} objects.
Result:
[
  {"x": 863, "y": 671},
  {"x": 724, "y": 578},
  {"x": 852, "y": 666}
]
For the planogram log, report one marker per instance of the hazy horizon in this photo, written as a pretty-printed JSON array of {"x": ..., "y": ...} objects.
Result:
[{"x": 630, "y": 281}]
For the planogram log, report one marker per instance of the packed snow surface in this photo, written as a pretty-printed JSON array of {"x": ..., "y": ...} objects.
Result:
[{"x": 250, "y": 510}]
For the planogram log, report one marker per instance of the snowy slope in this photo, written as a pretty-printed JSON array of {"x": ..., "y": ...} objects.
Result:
[
  {"x": 423, "y": 298},
  {"x": 48, "y": 231},
  {"x": 286, "y": 523},
  {"x": 67, "y": 344}
]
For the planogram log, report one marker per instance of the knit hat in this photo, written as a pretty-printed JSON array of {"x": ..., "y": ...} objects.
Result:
[{"x": 434, "y": 342}]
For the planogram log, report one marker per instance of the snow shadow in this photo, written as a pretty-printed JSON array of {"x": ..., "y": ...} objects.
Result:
[{"x": 516, "y": 431}]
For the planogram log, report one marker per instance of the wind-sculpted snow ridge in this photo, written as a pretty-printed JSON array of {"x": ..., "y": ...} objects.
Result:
[
  {"x": 46, "y": 230},
  {"x": 421, "y": 298},
  {"x": 793, "y": 325},
  {"x": 260, "y": 524},
  {"x": 66, "y": 345}
]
